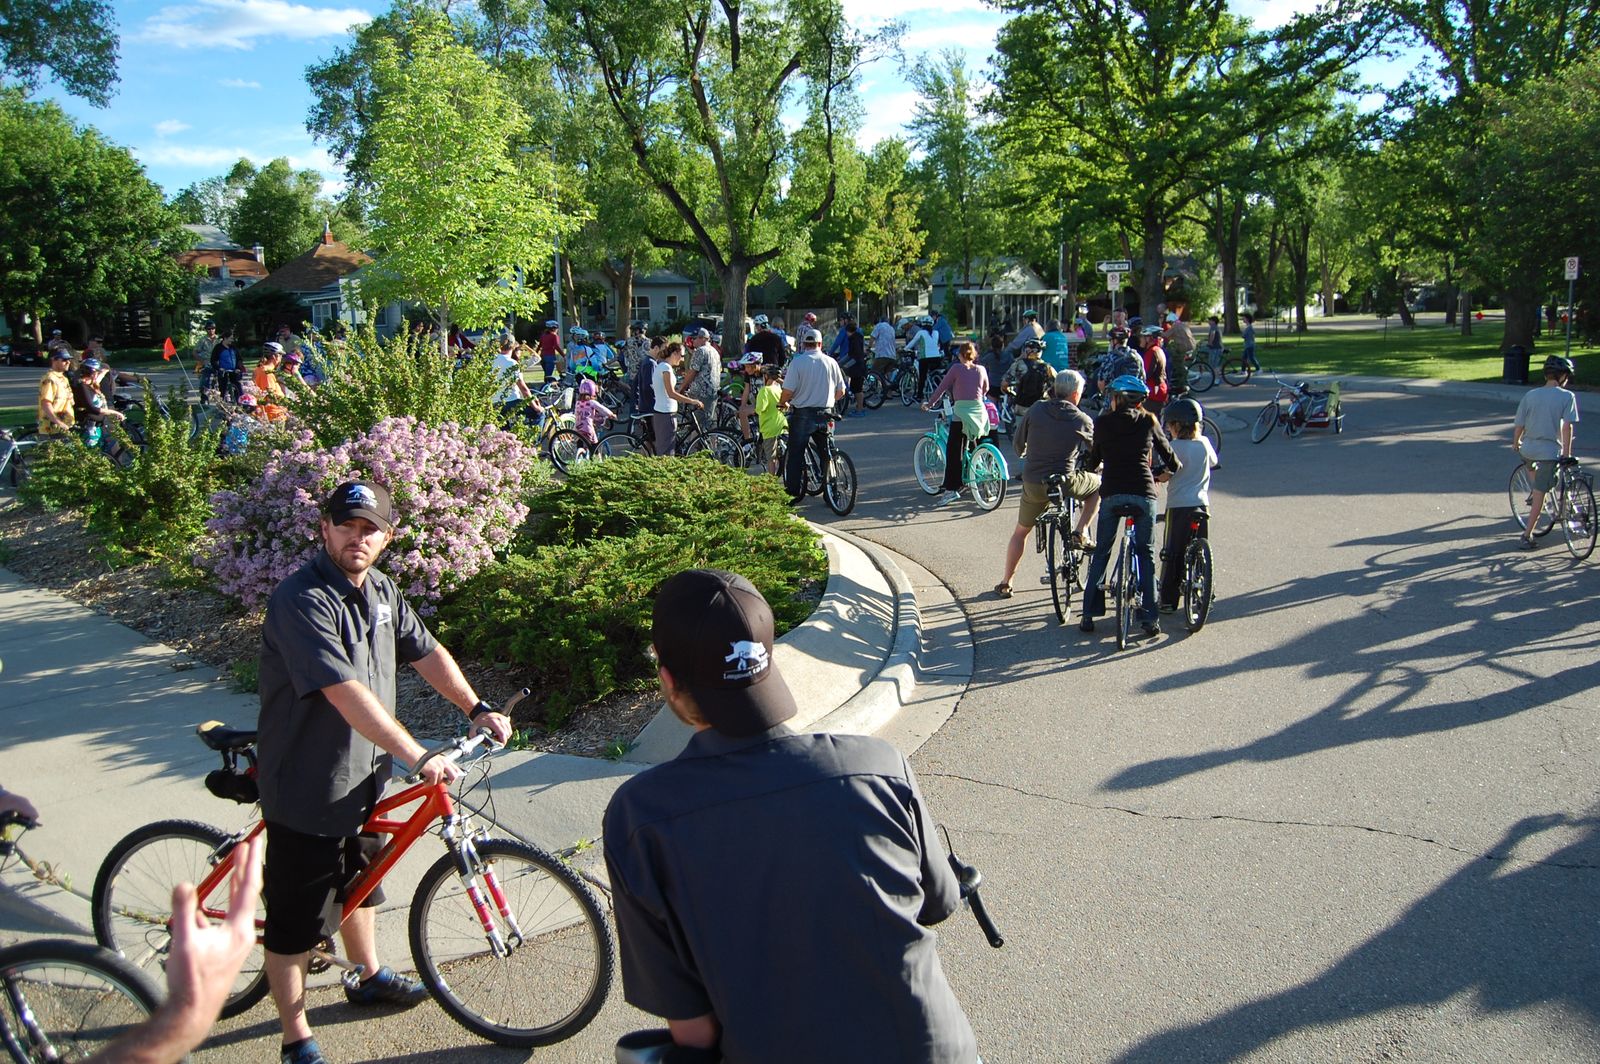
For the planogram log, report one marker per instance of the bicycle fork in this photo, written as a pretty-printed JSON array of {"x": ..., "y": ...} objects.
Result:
[{"x": 468, "y": 867}]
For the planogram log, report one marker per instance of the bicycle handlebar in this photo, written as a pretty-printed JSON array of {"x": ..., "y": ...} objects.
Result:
[
  {"x": 970, "y": 879},
  {"x": 456, "y": 750}
]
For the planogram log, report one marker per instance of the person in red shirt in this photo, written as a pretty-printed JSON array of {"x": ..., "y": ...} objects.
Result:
[{"x": 550, "y": 348}]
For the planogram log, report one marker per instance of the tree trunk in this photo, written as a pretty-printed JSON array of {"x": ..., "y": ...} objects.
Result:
[
  {"x": 1298, "y": 244},
  {"x": 1070, "y": 304},
  {"x": 1228, "y": 252},
  {"x": 1464, "y": 297},
  {"x": 444, "y": 329},
  {"x": 1325, "y": 275},
  {"x": 1522, "y": 310},
  {"x": 735, "y": 277},
  {"x": 1152, "y": 287},
  {"x": 621, "y": 278},
  {"x": 575, "y": 311}
]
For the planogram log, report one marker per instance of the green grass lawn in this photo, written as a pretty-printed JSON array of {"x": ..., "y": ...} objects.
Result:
[
  {"x": 1430, "y": 351},
  {"x": 13, "y": 416}
]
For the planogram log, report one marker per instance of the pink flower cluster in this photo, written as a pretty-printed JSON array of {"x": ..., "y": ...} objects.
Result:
[{"x": 458, "y": 493}]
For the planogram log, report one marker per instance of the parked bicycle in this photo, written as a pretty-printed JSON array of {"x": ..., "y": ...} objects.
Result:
[
  {"x": 1570, "y": 504},
  {"x": 15, "y": 450},
  {"x": 507, "y": 938},
  {"x": 1053, "y": 538},
  {"x": 1299, "y": 407},
  {"x": 983, "y": 467}
]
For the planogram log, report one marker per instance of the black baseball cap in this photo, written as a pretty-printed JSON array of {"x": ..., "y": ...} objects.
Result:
[
  {"x": 712, "y": 631},
  {"x": 360, "y": 498}
]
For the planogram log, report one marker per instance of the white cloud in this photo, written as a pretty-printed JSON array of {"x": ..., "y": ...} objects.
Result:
[
  {"x": 168, "y": 127},
  {"x": 973, "y": 36},
  {"x": 886, "y": 116},
  {"x": 221, "y": 157},
  {"x": 1270, "y": 14},
  {"x": 238, "y": 24},
  {"x": 877, "y": 12},
  {"x": 238, "y": 83}
]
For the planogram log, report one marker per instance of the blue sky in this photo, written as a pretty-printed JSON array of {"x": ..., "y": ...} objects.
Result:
[{"x": 206, "y": 82}]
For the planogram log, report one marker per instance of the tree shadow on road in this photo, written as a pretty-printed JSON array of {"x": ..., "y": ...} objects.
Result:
[
  {"x": 1429, "y": 609},
  {"x": 1512, "y": 933}
]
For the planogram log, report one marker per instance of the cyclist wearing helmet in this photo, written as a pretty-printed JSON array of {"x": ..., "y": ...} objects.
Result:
[
  {"x": 1121, "y": 361},
  {"x": 1542, "y": 433},
  {"x": 702, "y": 377},
  {"x": 1188, "y": 492},
  {"x": 1155, "y": 368},
  {"x": 550, "y": 348},
  {"x": 924, "y": 344},
  {"x": 941, "y": 329},
  {"x": 602, "y": 353},
  {"x": 514, "y": 391},
  {"x": 634, "y": 350},
  {"x": 965, "y": 383},
  {"x": 1057, "y": 350},
  {"x": 1125, "y": 437},
  {"x": 766, "y": 343},
  {"x": 1031, "y": 330},
  {"x": 1029, "y": 377},
  {"x": 589, "y": 411}
]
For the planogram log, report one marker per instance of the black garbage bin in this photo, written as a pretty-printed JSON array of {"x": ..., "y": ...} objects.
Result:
[{"x": 1514, "y": 367}]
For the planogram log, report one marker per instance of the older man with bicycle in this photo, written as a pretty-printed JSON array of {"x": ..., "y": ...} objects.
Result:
[
  {"x": 334, "y": 632},
  {"x": 812, "y": 383}
]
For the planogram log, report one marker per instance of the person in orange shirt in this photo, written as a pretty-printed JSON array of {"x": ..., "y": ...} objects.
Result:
[{"x": 272, "y": 406}]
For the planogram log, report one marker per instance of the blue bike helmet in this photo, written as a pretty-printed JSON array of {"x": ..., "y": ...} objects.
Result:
[{"x": 1131, "y": 386}]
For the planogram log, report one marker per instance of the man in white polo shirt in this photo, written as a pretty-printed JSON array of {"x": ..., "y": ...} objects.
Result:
[{"x": 812, "y": 383}]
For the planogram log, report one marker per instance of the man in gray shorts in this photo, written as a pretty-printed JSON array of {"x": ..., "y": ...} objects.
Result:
[
  {"x": 1542, "y": 433},
  {"x": 1052, "y": 438}
]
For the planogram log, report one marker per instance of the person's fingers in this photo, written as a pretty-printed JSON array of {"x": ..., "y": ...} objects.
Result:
[
  {"x": 245, "y": 887},
  {"x": 186, "y": 914}
]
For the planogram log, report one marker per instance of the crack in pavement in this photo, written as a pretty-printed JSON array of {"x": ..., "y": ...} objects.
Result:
[{"x": 1143, "y": 814}]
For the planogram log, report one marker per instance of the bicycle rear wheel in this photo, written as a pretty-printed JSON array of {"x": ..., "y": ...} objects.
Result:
[
  {"x": 927, "y": 459},
  {"x": 617, "y": 444},
  {"x": 722, "y": 446},
  {"x": 839, "y": 490},
  {"x": 874, "y": 393},
  {"x": 1202, "y": 377},
  {"x": 988, "y": 469},
  {"x": 62, "y": 1000},
  {"x": 1578, "y": 525},
  {"x": 1520, "y": 492},
  {"x": 556, "y": 965},
  {"x": 1063, "y": 563},
  {"x": 1265, "y": 422},
  {"x": 1197, "y": 584},
  {"x": 567, "y": 449},
  {"x": 132, "y": 900},
  {"x": 1235, "y": 372},
  {"x": 1125, "y": 591},
  {"x": 908, "y": 387},
  {"x": 1210, "y": 431}
]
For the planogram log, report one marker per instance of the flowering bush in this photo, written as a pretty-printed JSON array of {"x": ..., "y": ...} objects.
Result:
[{"x": 459, "y": 493}]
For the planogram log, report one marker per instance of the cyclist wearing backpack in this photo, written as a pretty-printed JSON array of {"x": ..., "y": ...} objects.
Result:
[
  {"x": 1029, "y": 377},
  {"x": 1120, "y": 361},
  {"x": 1155, "y": 369}
]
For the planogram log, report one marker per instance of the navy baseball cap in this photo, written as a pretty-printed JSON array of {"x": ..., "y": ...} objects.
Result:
[
  {"x": 713, "y": 632},
  {"x": 359, "y": 498}
]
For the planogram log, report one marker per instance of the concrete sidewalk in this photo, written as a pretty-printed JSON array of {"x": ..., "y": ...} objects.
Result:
[{"x": 100, "y": 727}]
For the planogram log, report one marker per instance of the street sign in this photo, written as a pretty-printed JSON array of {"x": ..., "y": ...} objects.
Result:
[
  {"x": 1113, "y": 282},
  {"x": 1114, "y": 265},
  {"x": 1572, "y": 268}
]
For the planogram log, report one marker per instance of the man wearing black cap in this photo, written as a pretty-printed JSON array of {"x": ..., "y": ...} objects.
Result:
[
  {"x": 334, "y": 632},
  {"x": 773, "y": 890}
]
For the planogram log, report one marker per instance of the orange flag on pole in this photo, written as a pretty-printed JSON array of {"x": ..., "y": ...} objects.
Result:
[{"x": 167, "y": 350}]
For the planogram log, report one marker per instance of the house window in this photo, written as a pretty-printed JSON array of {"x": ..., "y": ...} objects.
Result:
[
  {"x": 380, "y": 318},
  {"x": 910, "y": 297},
  {"x": 641, "y": 308},
  {"x": 672, "y": 306},
  {"x": 323, "y": 312}
]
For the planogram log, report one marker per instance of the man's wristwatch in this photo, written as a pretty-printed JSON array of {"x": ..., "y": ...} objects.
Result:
[{"x": 481, "y": 707}]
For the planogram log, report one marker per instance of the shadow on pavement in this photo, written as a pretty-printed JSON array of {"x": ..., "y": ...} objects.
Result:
[{"x": 1503, "y": 931}]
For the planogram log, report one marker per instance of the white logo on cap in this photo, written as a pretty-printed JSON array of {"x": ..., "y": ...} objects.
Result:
[
  {"x": 360, "y": 495},
  {"x": 751, "y": 658}
]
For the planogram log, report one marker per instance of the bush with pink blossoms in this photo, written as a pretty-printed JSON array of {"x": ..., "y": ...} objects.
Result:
[{"x": 459, "y": 494}]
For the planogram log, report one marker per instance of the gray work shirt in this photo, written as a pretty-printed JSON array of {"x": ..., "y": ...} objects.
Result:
[
  {"x": 785, "y": 883},
  {"x": 814, "y": 378},
  {"x": 317, "y": 775},
  {"x": 1052, "y": 437}
]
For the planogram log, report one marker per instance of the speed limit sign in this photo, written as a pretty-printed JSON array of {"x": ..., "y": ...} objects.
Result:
[{"x": 1572, "y": 268}]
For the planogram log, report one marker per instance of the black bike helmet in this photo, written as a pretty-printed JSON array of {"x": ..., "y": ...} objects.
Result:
[
  {"x": 1556, "y": 364},
  {"x": 1032, "y": 345},
  {"x": 1183, "y": 411}
]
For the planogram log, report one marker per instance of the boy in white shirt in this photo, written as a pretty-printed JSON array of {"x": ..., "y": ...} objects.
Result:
[{"x": 1188, "y": 493}]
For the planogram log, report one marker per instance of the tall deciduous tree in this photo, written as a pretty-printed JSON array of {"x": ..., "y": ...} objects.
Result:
[
  {"x": 1150, "y": 93},
  {"x": 701, "y": 92},
  {"x": 73, "y": 41},
  {"x": 86, "y": 231},
  {"x": 280, "y": 211},
  {"x": 460, "y": 218}
]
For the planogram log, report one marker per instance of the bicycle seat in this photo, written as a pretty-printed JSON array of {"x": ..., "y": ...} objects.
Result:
[
  {"x": 219, "y": 736},
  {"x": 1567, "y": 461},
  {"x": 1057, "y": 480},
  {"x": 1126, "y": 511}
]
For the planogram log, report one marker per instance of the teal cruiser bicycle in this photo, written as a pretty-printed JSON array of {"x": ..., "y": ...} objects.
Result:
[{"x": 983, "y": 467}]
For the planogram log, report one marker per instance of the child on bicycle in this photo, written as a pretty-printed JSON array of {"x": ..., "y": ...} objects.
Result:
[
  {"x": 1542, "y": 434},
  {"x": 770, "y": 419},
  {"x": 590, "y": 411},
  {"x": 1188, "y": 492}
]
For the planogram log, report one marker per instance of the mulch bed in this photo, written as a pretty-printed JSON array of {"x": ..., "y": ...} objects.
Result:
[{"x": 53, "y": 551}]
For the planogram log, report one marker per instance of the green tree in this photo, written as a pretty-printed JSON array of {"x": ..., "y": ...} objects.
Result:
[
  {"x": 872, "y": 241},
  {"x": 700, "y": 93},
  {"x": 459, "y": 216},
  {"x": 212, "y": 200},
  {"x": 74, "y": 41},
  {"x": 86, "y": 230},
  {"x": 280, "y": 211}
]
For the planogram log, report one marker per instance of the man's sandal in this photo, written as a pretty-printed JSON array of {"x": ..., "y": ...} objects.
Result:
[{"x": 1003, "y": 590}]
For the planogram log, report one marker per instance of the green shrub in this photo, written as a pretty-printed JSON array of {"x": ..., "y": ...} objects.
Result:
[
  {"x": 573, "y": 602},
  {"x": 368, "y": 380},
  {"x": 157, "y": 506}
]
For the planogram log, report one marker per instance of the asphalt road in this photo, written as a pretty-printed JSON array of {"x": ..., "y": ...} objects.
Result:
[{"x": 1354, "y": 819}]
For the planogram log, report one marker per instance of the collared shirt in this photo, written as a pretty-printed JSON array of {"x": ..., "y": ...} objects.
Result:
[
  {"x": 812, "y": 378},
  {"x": 786, "y": 883},
  {"x": 55, "y": 393},
  {"x": 706, "y": 361},
  {"x": 883, "y": 340},
  {"x": 317, "y": 774}
]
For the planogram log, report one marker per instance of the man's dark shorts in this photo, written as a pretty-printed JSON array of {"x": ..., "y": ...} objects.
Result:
[{"x": 303, "y": 885}]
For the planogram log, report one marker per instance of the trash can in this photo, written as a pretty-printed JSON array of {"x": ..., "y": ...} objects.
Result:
[{"x": 1514, "y": 368}]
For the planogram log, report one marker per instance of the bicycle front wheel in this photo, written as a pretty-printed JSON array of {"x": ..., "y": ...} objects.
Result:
[
  {"x": 1235, "y": 372},
  {"x": 1578, "y": 518},
  {"x": 1210, "y": 431},
  {"x": 616, "y": 444},
  {"x": 551, "y": 966},
  {"x": 1265, "y": 422},
  {"x": 132, "y": 900},
  {"x": 1202, "y": 377},
  {"x": 62, "y": 1000},
  {"x": 1197, "y": 584},
  {"x": 1062, "y": 560},
  {"x": 722, "y": 446},
  {"x": 839, "y": 490},
  {"x": 1520, "y": 492},
  {"x": 988, "y": 471},
  {"x": 874, "y": 393},
  {"x": 1125, "y": 592},
  {"x": 927, "y": 458},
  {"x": 908, "y": 387},
  {"x": 567, "y": 449}
]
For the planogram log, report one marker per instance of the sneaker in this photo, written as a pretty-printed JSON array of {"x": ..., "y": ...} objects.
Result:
[
  {"x": 1526, "y": 543},
  {"x": 386, "y": 987},
  {"x": 307, "y": 1052},
  {"x": 948, "y": 497},
  {"x": 1086, "y": 625},
  {"x": 1168, "y": 609},
  {"x": 1151, "y": 629}
]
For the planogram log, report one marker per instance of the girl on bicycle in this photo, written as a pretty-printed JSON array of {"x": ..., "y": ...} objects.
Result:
[
  {"x": 1124, "y": 438},
  {"x": 1188, "y": 492},
  {"x": 966, "y": 383},
  {"x": 664, "y": 419},
  {"x": 590, "y": 411}
]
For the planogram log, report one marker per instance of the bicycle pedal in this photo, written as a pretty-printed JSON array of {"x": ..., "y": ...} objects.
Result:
[{"x": 351, "y": 978}]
